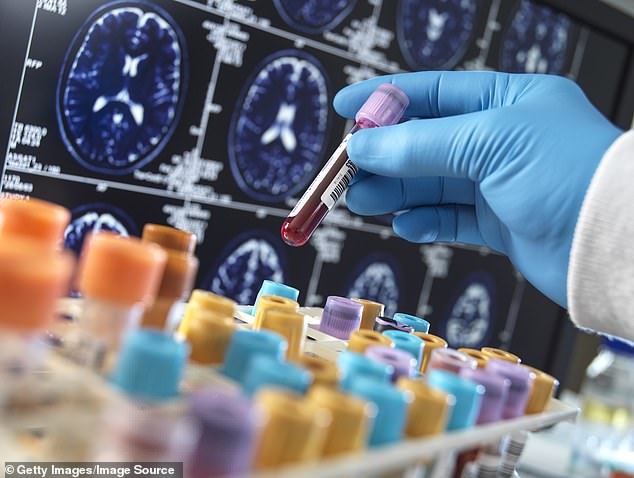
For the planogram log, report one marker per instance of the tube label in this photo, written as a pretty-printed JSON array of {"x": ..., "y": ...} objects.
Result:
[
  {"x": 338, "y": 185},
  {"x": 327, "y": 169}
]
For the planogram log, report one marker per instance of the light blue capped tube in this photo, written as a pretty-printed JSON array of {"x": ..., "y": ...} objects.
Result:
[
  {"x": 353, "y": 365},
  {"x": 270, "y": 287},
  {"x": 391, "y": 404},
  {"x": 246, "y": 344},
  {"x": 468, "y": 397},
  {"x": 269, "y": 371},
  {"x": 151, "y": 365},
  {"x": 407, "y": 342},
  {"x": 416, "y": 323}
]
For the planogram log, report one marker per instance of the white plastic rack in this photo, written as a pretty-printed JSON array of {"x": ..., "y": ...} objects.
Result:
[{"x": 431, "y": 457}]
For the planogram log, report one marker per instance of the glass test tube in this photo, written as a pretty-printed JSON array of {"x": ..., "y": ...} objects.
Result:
[
  {"x": 118, "y": 277},
  {"x": 32, "y": 278},
  {"x": 178, "y": 276},
  {"x": 384, "y": 107}
]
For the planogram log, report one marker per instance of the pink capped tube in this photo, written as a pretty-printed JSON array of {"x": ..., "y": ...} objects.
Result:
[{"x": 384, "y": 107}]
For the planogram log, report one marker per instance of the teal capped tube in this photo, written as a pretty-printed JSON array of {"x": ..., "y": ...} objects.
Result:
[
  {"x": 407, "y": 342},
  {"x": 246, "y": 344},
  {"x": 353, "y": 365},
  {"x": 416, "y": 323},
  {"x": 269, "y": 371},
  {"x": 270, "y": 287},
  {"x": 391, "y": 404},
  {"x": 468, "y": 397}
]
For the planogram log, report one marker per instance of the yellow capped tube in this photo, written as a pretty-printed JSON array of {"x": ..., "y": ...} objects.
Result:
[
  {"x": 431, "y": 342},
  {"x": 325, "y": 373},
  {"x": 295, "y": 430},
  {"x": 480, "y": 357},
  {"x": 267, "y": 302},
  {"x": 544, "y": 387},
  {"x": 362, "y": 339},
  {"x": 351, "y": 420},
  {"x": 209, "y": 335},
  {"x": 494, "y": 353},
  {"x": 290, "y": 325},
  {"x": 429, "y": 411},
  {"x": 371, "y": 310},
  {"x": 209, "y": 302}
]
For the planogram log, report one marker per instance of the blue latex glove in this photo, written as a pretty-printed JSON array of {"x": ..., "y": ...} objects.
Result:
[{"x": 500, "y": 160}]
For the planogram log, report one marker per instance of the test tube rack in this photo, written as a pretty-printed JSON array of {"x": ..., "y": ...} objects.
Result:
[{"x": 427, "y": 457}]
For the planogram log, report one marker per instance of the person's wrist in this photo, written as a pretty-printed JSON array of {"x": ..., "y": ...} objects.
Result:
[{"x": 591, "y": 207}]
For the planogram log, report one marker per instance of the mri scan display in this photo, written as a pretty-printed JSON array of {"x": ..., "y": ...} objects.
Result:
[
  {"x": 279, "y": 128},
  {"x": 376, "y": 279},
  {"x": 214, "y": 116},
  {"x": 434, "y": 34},
  {"x": 94, "y": 218},
  {"x": 248, "y": 260},
  {"x": 469, "y": 319},
  {"x": 122, "y": 87},
  {"x": 314, "y": 16},
  {"x": 536, "y": 40}
]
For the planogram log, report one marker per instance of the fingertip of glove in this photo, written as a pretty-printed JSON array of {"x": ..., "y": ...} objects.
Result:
[
  {"x": 411, "y": 227},
  {"x": 356, "y": 200},
  {"x": 342, "y": 103},
  {"x": 357, "y": 145}
]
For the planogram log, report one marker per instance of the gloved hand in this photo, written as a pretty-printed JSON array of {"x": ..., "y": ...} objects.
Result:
[{"x": 499, "y": 160}]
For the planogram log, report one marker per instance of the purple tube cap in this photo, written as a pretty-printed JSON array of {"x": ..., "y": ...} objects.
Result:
[
  {"x": 230, "y": 426},
  {"x": 341, "y": 317},
  {"x": 384, "y": 107},
  {"x": 450, "y": 360},
  {"x": 521, "y": 379},
  {"x": 403, "y": 362},
  {"x": 495, "y": 394}
]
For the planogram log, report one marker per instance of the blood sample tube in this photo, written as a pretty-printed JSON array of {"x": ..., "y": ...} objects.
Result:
[{"x": 384, "y": 107}]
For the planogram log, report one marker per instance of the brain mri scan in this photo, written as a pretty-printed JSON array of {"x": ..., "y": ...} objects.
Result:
[
  {"x": 122, "y": 87},
  {"x": 248, "y": 260},
  {"x": 279, "y": 128},
  {"x": 94, "y": 218},
  {"x": 536, "y": 41},
  {"x": 314, "y": 16},
  {"x": 470, "y": 313},
  {"x": 376, "y": 279},
  {"x": 435, "y": 34}
]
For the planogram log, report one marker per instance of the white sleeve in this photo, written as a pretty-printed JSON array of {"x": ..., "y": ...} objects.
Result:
[{"x": 601, "y": 269}]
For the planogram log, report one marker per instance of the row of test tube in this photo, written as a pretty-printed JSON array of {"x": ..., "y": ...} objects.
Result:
[{"x": 162, "y": 381}]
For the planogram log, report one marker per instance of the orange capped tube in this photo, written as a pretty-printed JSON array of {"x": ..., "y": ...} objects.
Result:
[
  {"x": 176, "y": 285},
  {"x": 33, "y": 218},
  {"x": 351, "y": 420},
  {"x": 362, "y": 339},
  {"x": 170, "y": 238},
  {"x": 118, "y": 277},
  {"x": 178, "y": 275},
  {"x": 431, "y": 342},
  {"x": 32, "y": 279},
  {"x": 295, "y": 431},
  {"x": 207, "y": 301}
]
